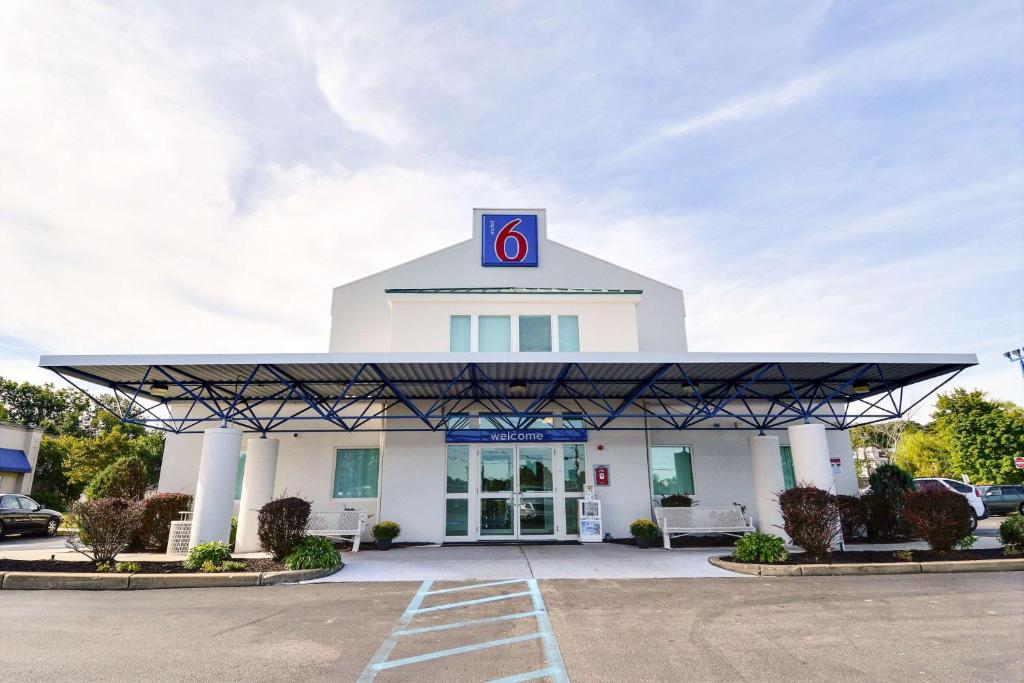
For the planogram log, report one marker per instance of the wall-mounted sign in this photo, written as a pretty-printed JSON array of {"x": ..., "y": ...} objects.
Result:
[
  {"x": 837, "y": 464},
  {"x": 509, "y": 240},
  {"x": 1018, "y": 462},
  {"x": 515, "y": 435},
  {"x": 602, "y": 475}
]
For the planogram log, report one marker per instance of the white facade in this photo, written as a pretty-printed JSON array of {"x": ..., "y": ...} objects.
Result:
[{"x": 611, "y": 309}]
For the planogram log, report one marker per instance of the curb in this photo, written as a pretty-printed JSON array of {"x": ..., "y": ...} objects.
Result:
[
  {"x": 875, "y": 569},
  {"x": 116, "y": 582}
]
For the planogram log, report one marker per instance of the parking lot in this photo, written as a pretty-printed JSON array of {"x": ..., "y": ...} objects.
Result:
[{"x": 925, "y": 627}]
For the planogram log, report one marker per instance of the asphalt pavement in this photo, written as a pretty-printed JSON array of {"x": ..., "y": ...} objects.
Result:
[{"x": 922, "y": 627}]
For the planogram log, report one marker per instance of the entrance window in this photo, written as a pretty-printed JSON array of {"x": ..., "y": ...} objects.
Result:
[
  {"x": 788, "y": 473},
  {"x": 456, "y": 517},
  {"x": 534, "y": 333},
  {"x": 459, "y": 334},
  {"x": 458, "y": 469},
  {"x": 568, "y": 333},
  {"x": 495, "y": 333},
  {"x": 671, "y": 470},
  {"x": 238, "y": 477},
  {"x": 356, "y": 472}
]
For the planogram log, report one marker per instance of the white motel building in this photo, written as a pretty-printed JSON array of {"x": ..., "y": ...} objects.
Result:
[{"x": 469, "y": 394}]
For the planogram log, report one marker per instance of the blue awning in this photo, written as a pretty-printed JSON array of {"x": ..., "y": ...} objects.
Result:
[{"x": 12, "y": 460}]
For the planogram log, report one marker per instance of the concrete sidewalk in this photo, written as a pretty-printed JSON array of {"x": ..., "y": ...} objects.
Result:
[{"x": 470, "y": 563}]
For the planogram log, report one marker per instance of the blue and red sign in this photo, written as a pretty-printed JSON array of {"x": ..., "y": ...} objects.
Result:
[{"x": 510, "y": 240}]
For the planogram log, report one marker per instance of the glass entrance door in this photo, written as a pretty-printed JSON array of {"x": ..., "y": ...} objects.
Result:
[
  {"x": 536, "y": 491},
  {"x": 497, "y": 493}
]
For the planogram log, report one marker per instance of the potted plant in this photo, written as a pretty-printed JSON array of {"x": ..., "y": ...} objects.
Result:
[
  {"x": 385, "y": 532},
  {"x": 643, "y": 530},
  {"x": 677, "y": 500}
]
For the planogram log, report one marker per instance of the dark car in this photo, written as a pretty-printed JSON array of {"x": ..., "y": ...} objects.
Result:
[
  {"x": 1004, "y": 499},
  {"x": 22, "y": 515}
]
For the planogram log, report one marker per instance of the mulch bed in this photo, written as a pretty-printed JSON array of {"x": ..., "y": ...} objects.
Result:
[
  {"x": 880, "y": 556},
  {"x": 710, "y": 541},
  {"x": 84, "y": 566}
]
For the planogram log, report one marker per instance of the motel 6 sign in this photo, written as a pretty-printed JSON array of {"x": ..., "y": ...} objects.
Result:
[{"x": 509, "y": 240}]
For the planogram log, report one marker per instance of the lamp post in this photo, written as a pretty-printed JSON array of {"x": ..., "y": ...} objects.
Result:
[{"x": 1016, "y": 356}]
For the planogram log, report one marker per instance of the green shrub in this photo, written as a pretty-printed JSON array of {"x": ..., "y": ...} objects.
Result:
[
  {"x": 386, "y": 530},
  {"x": 677, "y": 501},
  {"x": 903, "y": 555},
  {"x": 810, "y": 517},
  {"x": 883, "y": 507},
  {"x": 941, "y": 518},
  {"x": 234, "y": 532},
  {"x": 282, "y": 524},
  {"x": 211, "y": 567},
  {"x": 104, "y": 567},
  {"x": 760, "y": 548},
  {"x": 644, "y": 528},
  {"x": 967, "y": 542},
  {"x": 105, "y": 527},
  {"x": 313, "y": 552},
  {"x": 214, "y": 552},
  {"x": 852, "y": 516},
  {"x": 126, "y": 477},
  {"x": 1011, "y": 531},
  {"x": 158, "y": 513},
  {"x": 129, "y": 567}
]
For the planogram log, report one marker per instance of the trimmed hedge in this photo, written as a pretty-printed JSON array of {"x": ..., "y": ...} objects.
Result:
[
  {"x": 282, "y": 524},
  {"x": 941, "y": 518},
  {"x": 811, "y": 518},
  {"x": 853, "y": 516},
  {"x": 158, "y": 513}
]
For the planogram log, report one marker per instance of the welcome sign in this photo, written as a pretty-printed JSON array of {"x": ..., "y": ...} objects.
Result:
[
  {"x": 515, "y": 435},
  {"x": 510, "y": 240}
]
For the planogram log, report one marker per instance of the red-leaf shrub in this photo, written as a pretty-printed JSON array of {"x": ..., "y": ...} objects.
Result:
[
  {"x": 282, "y": 524},
  {"x": 941, "y": 518},
  {"x": 105, "y": 527},
  {"x": 852, "y": 516},
  {"x": 810, "y": 517},
  {"x": 158, "y": 513}
]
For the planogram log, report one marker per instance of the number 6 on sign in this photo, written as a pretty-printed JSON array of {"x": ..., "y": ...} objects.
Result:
[{"x": 509, "y": 240}]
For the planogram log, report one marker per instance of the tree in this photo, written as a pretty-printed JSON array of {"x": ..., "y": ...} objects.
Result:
[
  {"x": 924, "y": 453},
  {"x": 982, "y": 435},
  {"x": 124, "y": 478}
]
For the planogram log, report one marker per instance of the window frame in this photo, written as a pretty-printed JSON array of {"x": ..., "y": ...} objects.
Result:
[
  {"x": 334, "y": 472},
  {"x": 451, "y": 337},
  {"x": 650, "y": 466},
  {"x": 557, "y": 331}
]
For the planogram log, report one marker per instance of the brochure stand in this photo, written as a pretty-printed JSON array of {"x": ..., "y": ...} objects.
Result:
[{"x": 589, "y": 514}]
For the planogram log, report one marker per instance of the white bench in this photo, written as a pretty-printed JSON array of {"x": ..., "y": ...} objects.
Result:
[
  {"x": 711, "y": 519},
  {"x": 347, "y": 525}
]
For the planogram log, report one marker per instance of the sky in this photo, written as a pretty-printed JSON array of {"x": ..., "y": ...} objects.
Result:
[{"x": 816, "y": 176}]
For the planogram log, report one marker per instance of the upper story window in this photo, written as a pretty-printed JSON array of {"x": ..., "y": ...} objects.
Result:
[{"x": 503, "y": 333}]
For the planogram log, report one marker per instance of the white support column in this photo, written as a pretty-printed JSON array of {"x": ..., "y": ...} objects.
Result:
[
  {"x": 766, "y": 464},
  {"x": 809, "y": 445},
  {"x": 257, "y": 490},
  {"x": 215, "y": 490}
]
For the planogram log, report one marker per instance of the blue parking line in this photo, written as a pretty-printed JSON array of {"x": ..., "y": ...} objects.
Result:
[
  {"x": 370, "y": 672},
  {"x": 551, "y": 651},
  {"x": 467, "y": 603},
  {"x": 462, "y": 624},
  {"x": 477, "y": 585},
  {"x": 458, "y": 651}
]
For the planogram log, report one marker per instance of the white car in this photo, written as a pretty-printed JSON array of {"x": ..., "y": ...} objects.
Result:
[{"x": 971, "y": 493}]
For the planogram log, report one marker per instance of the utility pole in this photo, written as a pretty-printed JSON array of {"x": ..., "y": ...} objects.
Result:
[{"x": 1016, "y": 356}]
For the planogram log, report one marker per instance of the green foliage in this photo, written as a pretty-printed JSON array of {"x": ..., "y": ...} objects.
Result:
[
  {"x": 313, "y": 552},
  {"x": 105, "y": 567},
  {"x": 810, "y": 517},
  {"x": 386, "y": 530},
  {"x": 214, "y": 552},
  {"x": 925, "y": 454},
  {"x": 129, "y": 567},
  {"x": 124, "y": 478},
  {"x": 967, "y": 542},
  {"x": 1011, "y": 531},
  {"x": 644, "y": 528},
  {"x": 234, "y": 532},
  {"x": 105, "y": 527},
  {"x": 282, "y": 524},
  {"x": 982, "y": 435},
  {"x": 941, "y": 518},
  {"x": 159, "y": 511},
  {"x": 760, "y": 548},
  {"x": 883, "y": 507},
  {"x": 678, "y": 500},
  {"x": 903, "y": 555},
  {"x": 211, "y": 567},
  {"x": 87, "y": 457}
]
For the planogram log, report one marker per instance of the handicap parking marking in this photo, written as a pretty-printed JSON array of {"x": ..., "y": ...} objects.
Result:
[{"x": 552, "y": 669}]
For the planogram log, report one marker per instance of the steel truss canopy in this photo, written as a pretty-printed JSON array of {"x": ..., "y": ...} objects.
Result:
[{"x": 438, "y": 391}]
